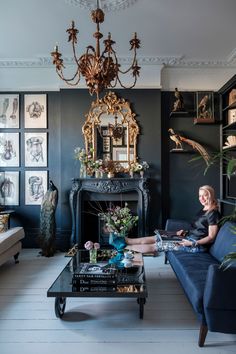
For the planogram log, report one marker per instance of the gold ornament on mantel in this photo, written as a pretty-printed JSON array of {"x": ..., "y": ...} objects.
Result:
[{"x": 100, "y": 68}]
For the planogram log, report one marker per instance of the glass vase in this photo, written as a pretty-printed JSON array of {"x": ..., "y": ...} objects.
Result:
[
  {"x": 82, "y": 172},
  {"x": 117, "y": 241},
  {"x": 93, "y": 255}
]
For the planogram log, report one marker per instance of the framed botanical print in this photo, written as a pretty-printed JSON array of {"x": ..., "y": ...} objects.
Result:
[
  {"x": 36, "y": 149},
  {"x": 9, "y": 188},
  {"x": 35, "y": 111},
  {"x": 35, "y": 186},
  {"x": 9, "y": 150},
  {"x": 9, "y": 111}
]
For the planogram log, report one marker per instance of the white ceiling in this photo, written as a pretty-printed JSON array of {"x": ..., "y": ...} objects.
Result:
[{"x": 182, "y": 33}]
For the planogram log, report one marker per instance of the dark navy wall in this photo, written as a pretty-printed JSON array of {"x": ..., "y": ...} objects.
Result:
[
  {"x": 182, "y": 178},
  {"x": 173, "y": 180},
  {"x": 147, "y": 105}
]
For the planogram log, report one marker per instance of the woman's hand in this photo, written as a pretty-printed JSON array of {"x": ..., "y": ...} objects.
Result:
[
  {"x": 186, "y": 243},
  {"x": 181, "y": 233}
]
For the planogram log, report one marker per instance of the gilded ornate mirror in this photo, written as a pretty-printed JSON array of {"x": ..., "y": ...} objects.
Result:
[{"x": 111, "y": 130}]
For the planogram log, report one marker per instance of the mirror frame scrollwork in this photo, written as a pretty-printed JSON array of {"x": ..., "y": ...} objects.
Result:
[{"x": 110, "y": 104}]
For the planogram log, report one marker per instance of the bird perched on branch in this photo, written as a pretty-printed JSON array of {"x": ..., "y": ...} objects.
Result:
[{"x": 178, "y": 139}]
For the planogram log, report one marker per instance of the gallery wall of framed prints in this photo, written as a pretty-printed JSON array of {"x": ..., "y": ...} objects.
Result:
[{"x": 23, "y": 149}]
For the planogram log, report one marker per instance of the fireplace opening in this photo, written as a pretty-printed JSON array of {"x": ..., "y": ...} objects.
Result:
[{"x": 93, "y": 224}]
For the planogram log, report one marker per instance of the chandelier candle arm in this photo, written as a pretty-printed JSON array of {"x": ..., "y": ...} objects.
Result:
[{"x": 101, "y": 71}]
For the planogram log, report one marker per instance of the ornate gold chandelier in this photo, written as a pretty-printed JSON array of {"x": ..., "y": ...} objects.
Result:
[{"x": 100, "y": 69}]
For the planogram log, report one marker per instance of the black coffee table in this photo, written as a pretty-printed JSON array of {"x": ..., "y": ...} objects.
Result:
[{"x": 131, "y": 282}]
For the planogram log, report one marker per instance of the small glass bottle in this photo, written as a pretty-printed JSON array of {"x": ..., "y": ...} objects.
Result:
[{"x": 93, "y": 255}]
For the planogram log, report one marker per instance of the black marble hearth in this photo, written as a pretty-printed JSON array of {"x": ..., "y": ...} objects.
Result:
[{"x": 88, "y": 196}]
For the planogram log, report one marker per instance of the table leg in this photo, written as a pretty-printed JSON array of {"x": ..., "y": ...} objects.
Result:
[
  {"x": 60, "y": 305},
  {"x": 141, "y": 301}
]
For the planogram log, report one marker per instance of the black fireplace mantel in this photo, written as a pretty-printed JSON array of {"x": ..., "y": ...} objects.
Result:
[{"x": 106, "y": 189}]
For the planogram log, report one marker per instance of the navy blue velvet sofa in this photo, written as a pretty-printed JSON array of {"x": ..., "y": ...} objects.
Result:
[{"x": 210, "y": 289}]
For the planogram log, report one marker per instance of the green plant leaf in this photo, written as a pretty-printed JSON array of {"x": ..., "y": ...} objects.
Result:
[
  {"x": 231, "y": 167},
  {"x": 228, "y": 260}
]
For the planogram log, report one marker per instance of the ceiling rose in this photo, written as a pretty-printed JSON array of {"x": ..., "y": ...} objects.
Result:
[{"x": 106, "y": 5}]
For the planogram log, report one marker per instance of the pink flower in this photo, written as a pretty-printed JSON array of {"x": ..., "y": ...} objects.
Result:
[
  {"x": 96, "y": 245},
  {"x": 88, "y": 245}
]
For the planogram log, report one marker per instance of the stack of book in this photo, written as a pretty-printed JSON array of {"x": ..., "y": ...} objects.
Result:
[{"x": 100, "y": 277}]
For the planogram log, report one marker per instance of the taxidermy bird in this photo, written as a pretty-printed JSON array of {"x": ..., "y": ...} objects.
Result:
[
  {"x": 204, "y": 107},
  {"x": 47, "y": 235},
  {"x": 179, "y": 103},
  {"x": 178, "y": 139}
]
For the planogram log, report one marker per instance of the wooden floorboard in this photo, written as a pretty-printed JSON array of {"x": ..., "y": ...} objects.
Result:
[{"x": 28, "y": 324}]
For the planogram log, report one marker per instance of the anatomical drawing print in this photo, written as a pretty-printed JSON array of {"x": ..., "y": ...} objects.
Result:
[
  {"x": 35, "y": 111},
  {"x": 9, "y": 149},
  {"x": 9, "y": 188},
  {"x": 9, "y": 111},
  {"x": 35, "y": 149},
  {"x": 35, "y": 187}
]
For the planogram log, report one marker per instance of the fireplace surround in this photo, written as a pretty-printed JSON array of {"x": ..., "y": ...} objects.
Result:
[{"x": 89, "y": 195}]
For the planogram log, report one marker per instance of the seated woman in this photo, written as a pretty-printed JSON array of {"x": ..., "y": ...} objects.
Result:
[{"x": 198, "y": 238}]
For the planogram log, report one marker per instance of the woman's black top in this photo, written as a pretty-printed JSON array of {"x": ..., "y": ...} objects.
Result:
[{"x": 200, "y": 225}]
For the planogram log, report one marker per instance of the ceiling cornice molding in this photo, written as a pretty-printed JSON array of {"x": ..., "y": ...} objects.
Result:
[
  {"x": 167, "y": 61},
  {"x": 232, "y": 56},
  {"x": 106, "y": 5}
]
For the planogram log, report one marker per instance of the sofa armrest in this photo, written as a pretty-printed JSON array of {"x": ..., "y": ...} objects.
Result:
[
  {"x": 219, "y": 299},
  {"x": 177, "y": 224}
]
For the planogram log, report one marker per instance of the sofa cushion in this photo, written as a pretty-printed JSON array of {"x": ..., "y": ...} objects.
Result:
[
  {"x": 4, "y": 222},
  {"x": 225, "y": 241},
  {"x": 10, "y": 237},
  {"x": 191, "y": 270}
]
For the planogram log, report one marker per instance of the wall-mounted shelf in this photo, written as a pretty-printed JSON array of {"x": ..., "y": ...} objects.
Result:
[
  {"x": 180, "y": 114},
  {"x": 227, "y": 201},
  {"x": 231, "y": 106},
  {"x": 231, "y": 126},
  {"x": 204, "y": 121},
  {"x": 228, "y": 190},
  {"x": 179, "y": 151}
]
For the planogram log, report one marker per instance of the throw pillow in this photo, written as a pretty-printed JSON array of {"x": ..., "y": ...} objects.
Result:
[{"x": 4, "y": 222}]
